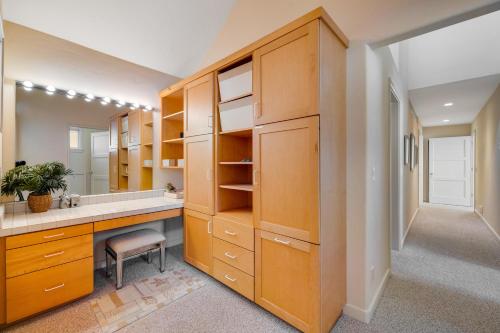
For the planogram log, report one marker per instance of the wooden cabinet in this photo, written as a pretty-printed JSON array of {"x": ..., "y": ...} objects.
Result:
[
  {"x": 234, "y": 278},
  {"x": 287, "y": 279},
  {"x": 286, "y": 184},
  {"x": 199, "y": 174},
  {"x": 113, "y": 133},
  {"x": 134, "y": 168},
  {"x": 134, "y": 127},
  {"x": 199, "y": 106},
  {"x": 113, "y": 169},
  {"x": 41, "y": 290},
  {"x": 198, "y": 240},
  {"x": 286, "y": 76}
]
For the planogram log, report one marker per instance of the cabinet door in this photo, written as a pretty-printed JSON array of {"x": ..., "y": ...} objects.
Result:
[
  {"x": 198, "y": 240},
  {"x": 134, "y": 127},
  {"x": 286, "y": 76},
  {"x": 199, "y": 174},
  {"x": 134, "y": 168},
  {"x": 287, "y": 279},
  {"x": 286, "y": 178},
  {"x": 113, "y": 133},
  {"x": 199, "y": 106},
  {"x": 113, "y": 169}
]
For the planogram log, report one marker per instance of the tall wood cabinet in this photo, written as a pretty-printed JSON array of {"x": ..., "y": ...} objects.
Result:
[{"x": 267, "y": 203}]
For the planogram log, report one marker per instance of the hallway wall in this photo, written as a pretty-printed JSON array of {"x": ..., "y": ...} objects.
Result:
[
  {"x": 439, "y": 132},
  {"x": 487, "y": 159},
  {"x": 410, "y": 177}
]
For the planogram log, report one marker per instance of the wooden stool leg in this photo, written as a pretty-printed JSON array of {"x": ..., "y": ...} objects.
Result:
[
  {"x": 162, "y": 256},
  {"x": 150, "y": 257},
  {"x": 119, "y": 272},
  {"x": 108, "y": 264}
]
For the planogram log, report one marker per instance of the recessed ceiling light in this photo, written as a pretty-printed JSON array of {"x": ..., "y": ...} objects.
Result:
[
  {"x": 70, "y": 94},
  {"x": 134, "y": 106},
  {"x": 89, "y": 98},
  {"x": 448, "y": 104},
  {"x": 50, "y": 90},
  {"x": 446, "y": 120},
  {"x": 120, "y": 103},
  {"x": 148, "y": 108},
  {"x": 27, "y": 85}
]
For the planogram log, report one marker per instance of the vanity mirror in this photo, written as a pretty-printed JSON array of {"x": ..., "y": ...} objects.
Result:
[{"x": 88, "y": 110}]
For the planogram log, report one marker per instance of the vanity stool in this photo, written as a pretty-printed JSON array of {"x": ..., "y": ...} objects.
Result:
[{"x": 132, "y": 243}]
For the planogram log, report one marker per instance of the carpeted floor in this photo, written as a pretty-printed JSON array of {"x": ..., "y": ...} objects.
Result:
[{"x": 446, "y": 279}]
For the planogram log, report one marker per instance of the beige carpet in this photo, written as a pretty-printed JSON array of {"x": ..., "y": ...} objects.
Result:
[{"x": 446, "y": 279}]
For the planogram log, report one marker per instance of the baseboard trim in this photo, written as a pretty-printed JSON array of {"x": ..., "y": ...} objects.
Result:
[
  {"x": 462, "y": 208},
  {"x": 409, "y": 227},
  {"x": 365, "y": 315},
  {"x": 487, "y": 224}
]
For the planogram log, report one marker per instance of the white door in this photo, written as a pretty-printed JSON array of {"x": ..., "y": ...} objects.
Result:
[
  {"x": 450, "y": 171},
  {"x": 99, "y": 165}
]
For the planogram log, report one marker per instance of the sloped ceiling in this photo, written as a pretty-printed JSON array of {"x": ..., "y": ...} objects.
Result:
[
  {"x": 170, "y": 36},
  {"x": 179, "y": 37}
]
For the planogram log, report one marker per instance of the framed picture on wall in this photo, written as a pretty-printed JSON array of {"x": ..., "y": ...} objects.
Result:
[
  {"x": 412, "y": 152},
  {"x": 407, "y": 149}
]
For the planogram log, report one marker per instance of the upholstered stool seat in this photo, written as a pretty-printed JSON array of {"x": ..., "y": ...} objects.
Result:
[{"x": 132, "y": 243}]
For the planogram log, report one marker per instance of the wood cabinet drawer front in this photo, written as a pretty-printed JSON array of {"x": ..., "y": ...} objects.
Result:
[
  {"x": 38, "y": 291},
  {"x": 234, "y": 255},
  {"x": 36, "y": 257},
  {"x": 13, "y": 242},
  {"x": 234, "y": 278},
  {"x": 236, "y": 233}
]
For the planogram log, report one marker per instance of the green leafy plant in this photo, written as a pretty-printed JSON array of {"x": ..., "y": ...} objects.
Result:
[{"x": 39, "y": 179}]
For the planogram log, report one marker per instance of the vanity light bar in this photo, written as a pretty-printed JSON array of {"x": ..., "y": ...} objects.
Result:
[{"x": 71, "y": 94}]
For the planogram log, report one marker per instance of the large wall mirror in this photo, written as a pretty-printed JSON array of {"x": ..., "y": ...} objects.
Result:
[{"x": 96, "y": 114}]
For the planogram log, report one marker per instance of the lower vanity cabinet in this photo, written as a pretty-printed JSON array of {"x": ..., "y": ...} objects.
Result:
[
  {"x": 47, "y": 268},
  {"x": 198, "y": 240},
  {"x": 287, "y": 279}
]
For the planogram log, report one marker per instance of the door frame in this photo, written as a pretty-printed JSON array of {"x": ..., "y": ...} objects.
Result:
[{"x": 395, "y": 147}]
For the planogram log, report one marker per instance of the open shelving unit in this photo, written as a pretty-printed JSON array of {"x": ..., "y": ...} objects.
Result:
[
  {"x": 234, "y": 165},
  {"x": 172, "y": 128},
  {"x": 122, "y": 154},
  {"x": 146, "y": 150}
]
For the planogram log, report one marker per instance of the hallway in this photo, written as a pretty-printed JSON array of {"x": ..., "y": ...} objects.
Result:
[{"x": 445, "y": 279}]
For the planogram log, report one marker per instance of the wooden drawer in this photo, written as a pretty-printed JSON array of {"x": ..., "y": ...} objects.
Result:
[
  {"x": 13, "y": 242},
  {"x": 234, "y": 278},
  {"x": 234, "y": 255},
  {"x": 38, "y": 291},
  {"x": 36, "y": 257},
  {"x": 236, "y": 233}
]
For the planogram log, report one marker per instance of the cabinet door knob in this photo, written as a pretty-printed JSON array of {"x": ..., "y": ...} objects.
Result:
[
  {"x": 257, "y": 110},
  {"x": 230, "y": 233},
  {"x": 277, "y": 240},
  {"x": 54, "y": 288},
  {"x": 229, "y": 255},
  {"x": 53, "y": 254},
  {"x": 229, "y": 278}
]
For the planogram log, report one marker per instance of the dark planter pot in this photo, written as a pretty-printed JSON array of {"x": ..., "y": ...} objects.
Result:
[{"x": 39, "y": 203}]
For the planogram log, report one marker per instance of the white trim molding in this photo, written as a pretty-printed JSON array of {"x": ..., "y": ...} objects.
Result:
[
  {"x": 462, "y": 208},
  {"x": 366, "y": 315},
  {"x": 413, "y": 218},
  {"x": 487, "y": 224}
]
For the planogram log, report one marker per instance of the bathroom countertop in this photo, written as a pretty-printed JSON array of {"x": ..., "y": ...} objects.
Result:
[{"x": 25, "y": 222}]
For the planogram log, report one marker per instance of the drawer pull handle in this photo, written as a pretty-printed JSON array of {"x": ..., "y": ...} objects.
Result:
[
  {"x": 53, "y": 254},
  {"x": 54, "y": 288},
  {"x": 277, "y": 240},
  {"x": 52, "y": 236},
  {"x": 229, "y": 278},
  {"x": 230, "y": 233},
  {"x": 229, "y": 255}
]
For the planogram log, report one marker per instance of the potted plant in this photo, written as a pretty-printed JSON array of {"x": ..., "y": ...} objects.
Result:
[{"x": 39, "y": 180}]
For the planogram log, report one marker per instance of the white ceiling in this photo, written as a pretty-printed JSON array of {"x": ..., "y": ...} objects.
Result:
[
  {"x": 178, "y": 36},
  {"x": 459, "y": 52},
  {"x": 459, "y": 64},
  {"x": 468, "y": 98},
  {"x": 170, "y": 36},
  {"x": 44, "y": 59}
]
